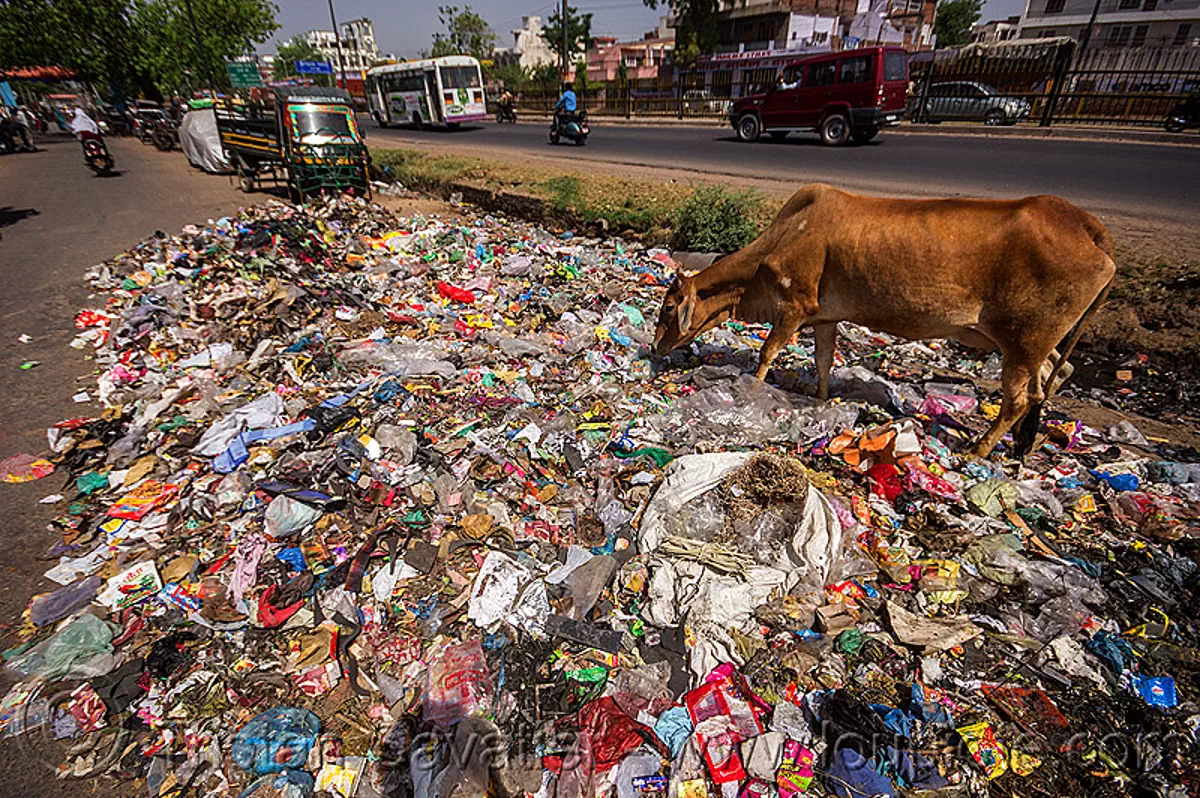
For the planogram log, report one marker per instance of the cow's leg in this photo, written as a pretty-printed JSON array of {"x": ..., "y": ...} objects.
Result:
[
  {"x": 781, "y": 332},
  {"x": 825, "y": 336},
  {"x": 1017, "y": 392}
]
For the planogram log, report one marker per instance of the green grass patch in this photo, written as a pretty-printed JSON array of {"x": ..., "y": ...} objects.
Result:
[{"x": 715, "y": 219}]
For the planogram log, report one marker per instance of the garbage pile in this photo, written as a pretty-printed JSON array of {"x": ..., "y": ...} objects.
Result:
[{"x": 404, "y": 507}]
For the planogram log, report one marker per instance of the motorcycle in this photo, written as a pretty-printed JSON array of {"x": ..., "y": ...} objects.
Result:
[
  {"x": 570, "y": 126},
  {"x": 165, "y": 135},
  {"x": 1184, "y": 115},
  {"x": 96, "y": 155},
  {"x": 506, "y": 113}
]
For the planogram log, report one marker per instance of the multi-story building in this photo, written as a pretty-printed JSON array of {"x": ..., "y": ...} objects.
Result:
[
  {"x": 529, "y": 49},
  {"x": 996, "y": 30},
  {"x": 359, "y": 51},
  {"x": 773, "y": 25},
  {"x": 642, "y": 58},
  {"x": 1119, "y": 23}
]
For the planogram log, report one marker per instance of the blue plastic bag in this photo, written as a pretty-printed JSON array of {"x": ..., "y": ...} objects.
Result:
[{"x": 276, "y": 740}]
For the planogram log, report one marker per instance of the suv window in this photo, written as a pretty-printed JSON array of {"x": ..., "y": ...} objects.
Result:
[
  {"x": 855, "y": 70},
  {"x": 792, "y": 77},
  {"x": 895, "y": 66},
  {"x": 821, "y": 74}
]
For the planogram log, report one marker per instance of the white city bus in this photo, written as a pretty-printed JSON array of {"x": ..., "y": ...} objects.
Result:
[{"x": 436, "y": 91}]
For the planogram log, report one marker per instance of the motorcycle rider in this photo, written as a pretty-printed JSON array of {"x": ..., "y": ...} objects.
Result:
[
  {"x": 84, "y": 128},
  {"x": 564, "y": 109},
  {"x": 506, "y": 105}
]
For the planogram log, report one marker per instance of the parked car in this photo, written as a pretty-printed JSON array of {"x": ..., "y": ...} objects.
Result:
[
  {"x": 848, "y": 95},
  {"x": 700, "y": 101},
  {"x": 969, "y": 100}
]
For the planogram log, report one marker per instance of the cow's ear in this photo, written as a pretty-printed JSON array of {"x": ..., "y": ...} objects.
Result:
[{"x": 687, "y": 304}]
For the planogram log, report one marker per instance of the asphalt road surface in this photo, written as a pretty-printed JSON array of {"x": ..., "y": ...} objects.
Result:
[
  {"x": 57, "y": 219},
  {"x": 1104, "y": 177}
]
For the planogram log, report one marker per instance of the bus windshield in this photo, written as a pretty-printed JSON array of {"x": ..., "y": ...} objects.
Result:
[{"x": 460, "y": 77}]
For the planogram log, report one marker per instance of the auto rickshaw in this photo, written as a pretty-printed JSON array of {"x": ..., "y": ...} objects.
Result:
[{"x": 303, "y": 138}]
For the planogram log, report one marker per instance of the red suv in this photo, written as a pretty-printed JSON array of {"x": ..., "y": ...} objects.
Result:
[{"x": 843, "y": 96}]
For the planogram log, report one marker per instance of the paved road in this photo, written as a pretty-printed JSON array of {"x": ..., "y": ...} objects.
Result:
[
  {"x": 57, "y": 219},
  {"x": 1104, "y": 177}
]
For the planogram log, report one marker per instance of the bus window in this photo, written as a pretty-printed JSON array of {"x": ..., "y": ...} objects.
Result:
[{"x": 460, "y": 77}]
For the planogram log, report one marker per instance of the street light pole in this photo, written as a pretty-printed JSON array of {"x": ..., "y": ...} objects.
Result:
[
  {"x": 337, "y": 40},
  {"x": 1087, "y": 32},
  {"x": 565, "y": 42}
]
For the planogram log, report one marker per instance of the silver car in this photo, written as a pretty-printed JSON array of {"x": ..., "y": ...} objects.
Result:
[{"x": 970, "y": 100}]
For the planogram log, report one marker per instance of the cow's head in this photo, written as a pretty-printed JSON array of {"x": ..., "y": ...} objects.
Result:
[{"x": 678, "y": 323}]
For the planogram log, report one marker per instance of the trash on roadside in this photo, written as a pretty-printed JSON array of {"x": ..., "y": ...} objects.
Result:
[{"x": 384, "y": 505}]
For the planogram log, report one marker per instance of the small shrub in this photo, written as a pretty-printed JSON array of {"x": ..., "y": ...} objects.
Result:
[{"x": 714, "y": 219}]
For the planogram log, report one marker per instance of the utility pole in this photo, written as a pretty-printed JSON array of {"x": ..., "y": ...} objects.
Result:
[
  {"x": 566, "y": 55},
  {"x": 1087, "y": 32},
  {"x": 201, "y": 52},
  {"x": 337, "y": 40}
]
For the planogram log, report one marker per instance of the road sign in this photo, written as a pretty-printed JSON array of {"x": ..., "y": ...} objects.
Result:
[
  {"x": 243, "y": 74},
  {"x": 314, "y": 68}
]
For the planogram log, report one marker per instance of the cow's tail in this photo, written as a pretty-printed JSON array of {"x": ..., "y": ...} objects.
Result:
[{"x": 1027, "y": 431}]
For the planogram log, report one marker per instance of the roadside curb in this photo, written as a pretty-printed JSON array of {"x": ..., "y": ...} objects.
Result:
[{"x": 1062, "y": 132}]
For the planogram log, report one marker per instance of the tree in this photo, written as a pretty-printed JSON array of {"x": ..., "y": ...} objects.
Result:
[
  {"x": 955, "y": 18},
  {"x": 466, "y": 34},
  {"x": 695, "y": 27},
  {"x": 509, "y": 73},
  {"x": 581, "y": 79},
  {"x": 229, "y": 29},
  {"x": 298, "y": 49},
  {"x": 579, "y": 30},
  {"x": 133, "y": 45}
]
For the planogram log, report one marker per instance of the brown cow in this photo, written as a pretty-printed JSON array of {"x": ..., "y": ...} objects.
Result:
[{"x": 1013, "y": 275}]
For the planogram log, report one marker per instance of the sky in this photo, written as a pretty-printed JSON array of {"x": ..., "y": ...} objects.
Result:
[{"x": 404, "y": 28}]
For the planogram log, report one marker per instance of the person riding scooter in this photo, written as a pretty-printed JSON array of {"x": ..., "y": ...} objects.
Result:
[
  {"x": 564, "y": 109},
  {"x": 504, "y": 108}
]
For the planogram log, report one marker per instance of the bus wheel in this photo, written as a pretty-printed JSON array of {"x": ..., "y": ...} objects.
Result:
[{"x": 417, "y": 123}]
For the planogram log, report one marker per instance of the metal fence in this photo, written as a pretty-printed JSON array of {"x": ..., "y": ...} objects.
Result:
[
  {"x": 1027, "y": 82},
  {"x": 1052, "y": 83}
]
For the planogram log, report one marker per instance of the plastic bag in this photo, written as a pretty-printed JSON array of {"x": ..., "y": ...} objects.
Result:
[
  {"x": 78, "y": 650},
  {"x": 458, "y": 684},
  {"x": 50, "y": 607},
  {"x": 276, "y": 740}
]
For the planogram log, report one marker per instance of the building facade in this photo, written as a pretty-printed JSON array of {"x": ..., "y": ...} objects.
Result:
[
  {"x": 1119, "y": 23},
  {"x": 996, "y": 30},
  {"x": 776, "y": 25},
  {"x": 643, "y": 58},
  {"x": 529, "y": 49},
  {"x": 359, "y": 51}
]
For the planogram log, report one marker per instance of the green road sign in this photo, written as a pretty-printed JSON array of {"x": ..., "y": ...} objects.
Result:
[{"x": 243, "y": 75}]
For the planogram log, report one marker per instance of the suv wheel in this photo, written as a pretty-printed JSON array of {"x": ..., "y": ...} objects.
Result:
[
  {"x": 994, "y": 117},
  {"x": 835, "y": 130},
  {"x": 748, "y": 128}
]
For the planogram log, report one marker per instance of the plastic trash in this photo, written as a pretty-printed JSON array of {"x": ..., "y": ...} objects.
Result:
[{"x": 276, "y": 740}]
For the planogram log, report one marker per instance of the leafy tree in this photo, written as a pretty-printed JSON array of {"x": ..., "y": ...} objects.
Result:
[
  {"x": 955, "y": 18},
  {"x": 92, "y": 37},
  {"x": 298, "y": 49},
  {"x": 581, "y": 79},
  {"x": 228, "y": 29},
  {"x": 579, "y": 31},
  {"x": 545, "y": 77},
  {"x": 695, "y": 27},
  {"x": 511, "y": 74},
  {"x": 466, "y": 34},
  {"x": 132, "y": 45}
]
